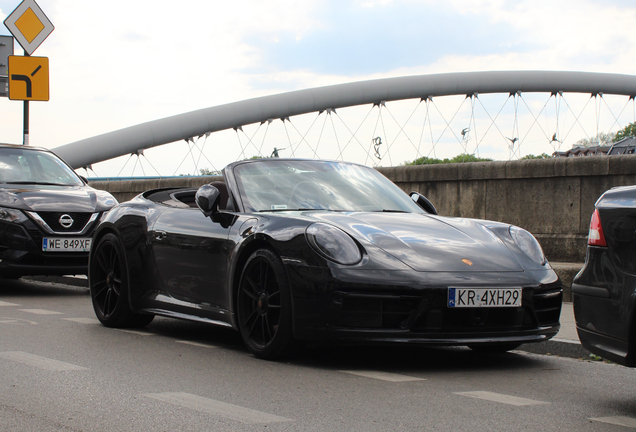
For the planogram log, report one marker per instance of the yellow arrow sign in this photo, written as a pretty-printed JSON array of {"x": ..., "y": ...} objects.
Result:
[{"x": 29, "y": 78}]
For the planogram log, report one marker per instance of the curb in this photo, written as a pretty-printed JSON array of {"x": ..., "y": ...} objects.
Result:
[
  {"x": 557, "y": 347},
  {"x": 566, "y": 272},
  {"x": 78, "y": 281}
]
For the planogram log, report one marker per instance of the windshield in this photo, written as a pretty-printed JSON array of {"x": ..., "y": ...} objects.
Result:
[
  {"x": 18, "y": 166},
  {"x": 280, "y": 185}
]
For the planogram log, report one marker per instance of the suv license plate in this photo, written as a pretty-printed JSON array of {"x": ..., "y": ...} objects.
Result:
[
  {"x": 484, "y": 297},
  {"x": 66, "y": 244}
]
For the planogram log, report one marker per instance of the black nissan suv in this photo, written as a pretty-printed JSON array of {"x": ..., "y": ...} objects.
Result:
[{"x": 47, "y": 214}]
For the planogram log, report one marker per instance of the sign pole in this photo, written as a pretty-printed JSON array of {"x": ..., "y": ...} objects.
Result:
[
  {"x": 25, "y": 118},
  {"x": 26, "y": 123},
  {"x": 30, "y": 26}
]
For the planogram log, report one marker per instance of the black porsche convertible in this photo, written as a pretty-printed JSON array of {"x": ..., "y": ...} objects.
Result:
[{"x": 287, "y": 250}]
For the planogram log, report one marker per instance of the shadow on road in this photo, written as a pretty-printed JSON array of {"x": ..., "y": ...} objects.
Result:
[
  {"x": 385, "y": 358},
  {"x": 411, "y": 358},
  {"x": 31, "y": 288}
]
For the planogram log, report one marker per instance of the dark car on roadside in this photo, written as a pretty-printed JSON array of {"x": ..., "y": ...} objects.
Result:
[
  {"x": 604, "y": 291},
  {"x": 288, "y": 250},
  {"x": 48, "y": 214}
]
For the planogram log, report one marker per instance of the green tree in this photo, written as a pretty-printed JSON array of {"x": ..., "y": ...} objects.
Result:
[
  {"x": 601, "y": 138},
  {"x": 208, "y": 171},
  {"x": 461, "y": 158},
  {"x": 541, "y": 156},
  {"x": 627, "y": 131}
]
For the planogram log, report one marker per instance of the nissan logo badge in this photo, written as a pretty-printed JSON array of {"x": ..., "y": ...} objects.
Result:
[{"x": 66, "y": 221}]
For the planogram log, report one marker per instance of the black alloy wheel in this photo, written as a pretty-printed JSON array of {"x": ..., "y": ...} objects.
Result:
[
  {"x": 264, "y": 306},
  {"x": 108, "y": 282}
]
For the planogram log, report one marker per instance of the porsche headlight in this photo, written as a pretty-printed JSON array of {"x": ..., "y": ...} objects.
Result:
[
  {"x": 333, "y": 244},
  {"x": 12, "y": 215},
  {"x": 528, "y": 244}
]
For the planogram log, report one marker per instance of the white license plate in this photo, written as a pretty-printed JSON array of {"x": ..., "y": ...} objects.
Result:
[
  {"x": 484, "y": 297},
  {"x": 66, "y": 244}
]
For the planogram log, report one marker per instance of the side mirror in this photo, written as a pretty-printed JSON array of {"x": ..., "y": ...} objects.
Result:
[
  {"x": 423, "y": 202},
  {"x": 207, "y": 199}
]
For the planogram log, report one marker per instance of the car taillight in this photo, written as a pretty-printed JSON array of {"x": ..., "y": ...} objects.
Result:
[{"x": 596, "y": 236}]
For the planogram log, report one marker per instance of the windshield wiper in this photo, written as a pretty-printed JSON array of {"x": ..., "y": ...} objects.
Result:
[{"x": 393, "y": 211}]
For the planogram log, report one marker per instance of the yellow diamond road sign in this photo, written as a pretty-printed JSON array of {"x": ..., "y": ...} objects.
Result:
[
  {"x": 29, "y": 78},
  {"x": 28, "y": 24}
]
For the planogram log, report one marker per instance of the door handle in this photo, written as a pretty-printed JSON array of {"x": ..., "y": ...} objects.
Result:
[{"x": 160, "y": 235}]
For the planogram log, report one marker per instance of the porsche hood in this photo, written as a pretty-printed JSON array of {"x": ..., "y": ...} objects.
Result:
[{"x": 427, "y": 243}]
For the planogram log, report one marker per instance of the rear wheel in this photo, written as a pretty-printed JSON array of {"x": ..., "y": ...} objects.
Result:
[
  {"x": 108, "y": 282},
  {"x": 264, "y": 306}
]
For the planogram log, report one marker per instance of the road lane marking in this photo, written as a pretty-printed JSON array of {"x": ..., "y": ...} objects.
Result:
[
  {"x": 618, "y": 420},
  {"x": 211, "y": 406},
  {"x": 197, "y": 344},
  {"x": 39, "y": 362},
  {"x": 384, "y": 376},
  {"x": 41, "y": 311},
  {"x": 18, "y": 321},
  {"x": 566, "y": 341},
  {"x": 136, "y": 332},
  {"x": 501, "y": 398},
  {"x": 2, "y": 303},
  {"x": 83, "y": 320}
]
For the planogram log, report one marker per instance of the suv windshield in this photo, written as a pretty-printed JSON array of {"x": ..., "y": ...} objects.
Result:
[
  {"x": 22, "y": 166},
  {"x": 279, "y": 185}
]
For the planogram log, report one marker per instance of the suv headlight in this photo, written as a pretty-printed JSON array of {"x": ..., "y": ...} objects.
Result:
[
  {"x": 333, "y": 244},
  {"x": 528, "y": 244},
  {"x": 12, "y": 215}
]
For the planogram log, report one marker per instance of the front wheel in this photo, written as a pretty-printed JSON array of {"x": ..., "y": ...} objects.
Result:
[
  {"x": 264, "y": 306},
  {"x": 108, "y": 284}
]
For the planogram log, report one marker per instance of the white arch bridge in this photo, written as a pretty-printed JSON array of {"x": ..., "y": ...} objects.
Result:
[{"x": 501, "y": 115}]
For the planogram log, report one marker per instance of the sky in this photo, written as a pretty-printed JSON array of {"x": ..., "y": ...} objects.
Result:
[{"x": 119, "y": 63}]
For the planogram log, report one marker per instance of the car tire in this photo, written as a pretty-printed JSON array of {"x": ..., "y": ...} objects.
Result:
[
  {"x": 109, "y": 288},
  {"x": 264, "y": 307},
  {"x": 495, "y": 347}
]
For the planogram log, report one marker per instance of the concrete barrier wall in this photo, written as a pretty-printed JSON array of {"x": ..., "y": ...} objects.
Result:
[{"x": 552, "y": 198}]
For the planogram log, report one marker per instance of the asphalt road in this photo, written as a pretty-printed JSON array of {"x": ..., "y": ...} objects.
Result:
[{"x": 60, "y": 370}]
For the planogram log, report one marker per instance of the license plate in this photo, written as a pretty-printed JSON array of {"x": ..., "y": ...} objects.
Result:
[
  {"x": 66, "y": 244},
  {"x": 484, "y": 297}
]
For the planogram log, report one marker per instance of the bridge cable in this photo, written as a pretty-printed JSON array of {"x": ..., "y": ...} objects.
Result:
[
  {"x": 377, "y": 120},
  {"x": 401, "y": 131},
  {"x": 291, "y": 146},
  {"x": 150, "y": 163},
  {"x": 353, "y": 134},
  {"x": 616, "y": 122},
  {"x": 448, "y": 126},
  {"x": 515, "y": 127},
  {"x": 576, "y": 118},
  {"x": 202, "y": 153},
  {"x": 493, "y": 121},
  {"x": 333, "y": 126},
  {"x": 322, "y": 129},
  {"x": 536, "y": 119},
  {"x": 126, "y": 163},
  {"x": 303, "y": 136},
  {"x": 419, "y": 143}
]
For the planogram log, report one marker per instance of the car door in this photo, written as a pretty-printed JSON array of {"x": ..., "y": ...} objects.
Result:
[{"x": 192, "y": 256}]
